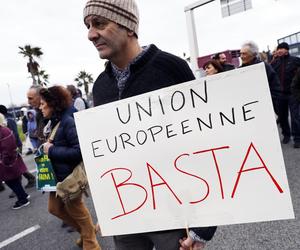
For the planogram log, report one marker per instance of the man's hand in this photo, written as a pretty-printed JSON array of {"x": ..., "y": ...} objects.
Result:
[
  {"x": 98, "y": 229},
  {"x": 188, "y": 244}
]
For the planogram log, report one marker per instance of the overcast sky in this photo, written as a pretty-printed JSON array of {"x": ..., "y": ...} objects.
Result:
[{"x": 57, "y": 27}]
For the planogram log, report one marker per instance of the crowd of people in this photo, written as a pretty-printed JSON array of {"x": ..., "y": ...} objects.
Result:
[
  {"x": 283, "y": 72},
  {"x": 48, "y": 107},
  {"x": 131, "y": 69}
]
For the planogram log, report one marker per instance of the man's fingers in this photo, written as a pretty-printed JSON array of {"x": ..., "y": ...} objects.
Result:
[
  {"x": 184, "y": 244},
  {"x": 198, "y": 246}
]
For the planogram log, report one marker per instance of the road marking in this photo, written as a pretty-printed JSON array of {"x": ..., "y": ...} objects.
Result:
[{"x": 19, "y": 236}]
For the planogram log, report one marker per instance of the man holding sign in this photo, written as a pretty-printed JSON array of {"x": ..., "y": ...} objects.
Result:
[{"x": 133, "y": 70}]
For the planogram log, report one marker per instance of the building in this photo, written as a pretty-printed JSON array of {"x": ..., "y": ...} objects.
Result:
[
  {"x": 225, "y": 24},
  {"x": 294, "y": 41},
  {"x": 231, "y": 7}
]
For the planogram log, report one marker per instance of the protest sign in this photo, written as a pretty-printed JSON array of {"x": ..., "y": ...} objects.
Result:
[
  {"x": 45, "y": 175},
  {"x": 202, "y": 153}
]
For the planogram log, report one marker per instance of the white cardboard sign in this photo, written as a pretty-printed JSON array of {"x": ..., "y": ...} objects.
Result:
[{"x": 202, "y": 153}]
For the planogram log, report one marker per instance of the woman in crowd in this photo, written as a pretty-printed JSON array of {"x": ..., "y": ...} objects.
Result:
[
  {"x": 64, "y": 153},
  {"x": 212, "y": 67},
  {"x": 78, "y": 102},
  {"x": 11, "y": 165}
]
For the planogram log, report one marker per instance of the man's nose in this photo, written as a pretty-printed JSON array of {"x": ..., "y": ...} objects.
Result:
[{"x": 92, "y": 34}]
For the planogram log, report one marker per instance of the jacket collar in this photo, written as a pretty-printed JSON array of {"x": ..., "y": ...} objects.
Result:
[{"x": 152, "y": 50}]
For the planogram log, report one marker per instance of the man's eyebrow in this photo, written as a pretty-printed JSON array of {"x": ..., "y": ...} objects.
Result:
[
  {"x": 93, "y": 19},
  {"x": 99, "y": 18}
]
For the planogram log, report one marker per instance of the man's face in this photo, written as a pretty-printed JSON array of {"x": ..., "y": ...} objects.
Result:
[
  {"x": 282, "y": 52},
  {"x": 222, "y": 59},
  {"x": 109, "y": 38},
  {"x": 33, "y": 98},
  {"x": 246, "y": 55}
]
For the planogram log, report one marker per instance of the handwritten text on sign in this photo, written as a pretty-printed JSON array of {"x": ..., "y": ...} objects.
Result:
[{"x": 200, "y": 153}]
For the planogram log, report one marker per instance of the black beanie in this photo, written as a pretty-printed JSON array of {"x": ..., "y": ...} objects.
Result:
[
  {"x": 3, "y": 110},
  {"x": 283, "y": 45}
]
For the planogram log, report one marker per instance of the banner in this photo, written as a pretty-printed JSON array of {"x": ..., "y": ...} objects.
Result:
[
  {"x": 45, "y": 180},
  {"x": 202, "y": 153}
]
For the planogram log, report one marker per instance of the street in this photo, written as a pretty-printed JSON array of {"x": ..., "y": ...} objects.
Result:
[{"x": 33, "y": 228}]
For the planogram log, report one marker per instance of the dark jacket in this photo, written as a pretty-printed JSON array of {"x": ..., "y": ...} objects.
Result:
[
  {"x": 24, "y": 124},
  {"x": 40, "y": 122},
  {"x": 273, "y": 79},
  {"x": 286, "y": 67},
  {"x": 11, "y": 163},
  {"x": 156, "y": 69},
  {"x": 227, "y": 66},
  {"x": 65, "y": 153},
  {"x": 295, "y": 87},
  {"x": 12, "y": 125}
]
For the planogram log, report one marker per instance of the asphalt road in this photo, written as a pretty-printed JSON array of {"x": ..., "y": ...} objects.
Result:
[{"x": 33, "y": 228}]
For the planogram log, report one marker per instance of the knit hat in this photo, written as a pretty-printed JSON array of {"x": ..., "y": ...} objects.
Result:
[
  {"x": 123, "y": 12},
  {"x": 283, "y": 45},
  {"x": 3, "y": 109}
]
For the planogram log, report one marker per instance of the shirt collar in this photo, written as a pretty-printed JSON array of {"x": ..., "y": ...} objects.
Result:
[{"x": 118, "y": 73}]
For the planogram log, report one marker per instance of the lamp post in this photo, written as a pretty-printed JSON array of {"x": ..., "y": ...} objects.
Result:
[
  {"x": 11, "y": 101},
  {"x": 192, "y": 36}
]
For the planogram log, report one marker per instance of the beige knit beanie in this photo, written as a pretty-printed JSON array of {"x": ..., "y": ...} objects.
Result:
[{"x": 123, "y": 12}]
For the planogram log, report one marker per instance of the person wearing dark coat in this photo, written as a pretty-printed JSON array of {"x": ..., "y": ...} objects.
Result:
[
  {"x": 221, "y": 58},
  {"x": 64, "y": 153},
  {"x": 286, "y": 67},
  {"x": 250, "y": 56},
  {"x": 24, "y": 120},
  {"x": 11, "y": 165},
  {"x": 133, "y": 70}
]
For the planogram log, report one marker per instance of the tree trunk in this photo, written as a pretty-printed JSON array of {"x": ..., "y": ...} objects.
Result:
[
  {"x": 86, "y": 88},
  {"x": 31, "y": 70}
]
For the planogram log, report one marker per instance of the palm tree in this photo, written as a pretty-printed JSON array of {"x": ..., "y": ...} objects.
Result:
[
  {"x": 84, "y": 79},
  {"x": 43, "y": 78},
  {"x": 32, "y": 66}
]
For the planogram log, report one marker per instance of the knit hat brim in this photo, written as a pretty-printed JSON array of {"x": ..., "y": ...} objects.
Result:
[{"x": 124, "y": 13}]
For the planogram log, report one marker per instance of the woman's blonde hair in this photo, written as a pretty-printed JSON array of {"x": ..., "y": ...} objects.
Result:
[{"x": 2, "y": 120}]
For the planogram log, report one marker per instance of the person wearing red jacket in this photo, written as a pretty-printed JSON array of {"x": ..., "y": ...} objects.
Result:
[{"x": 11, "y": 165}]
